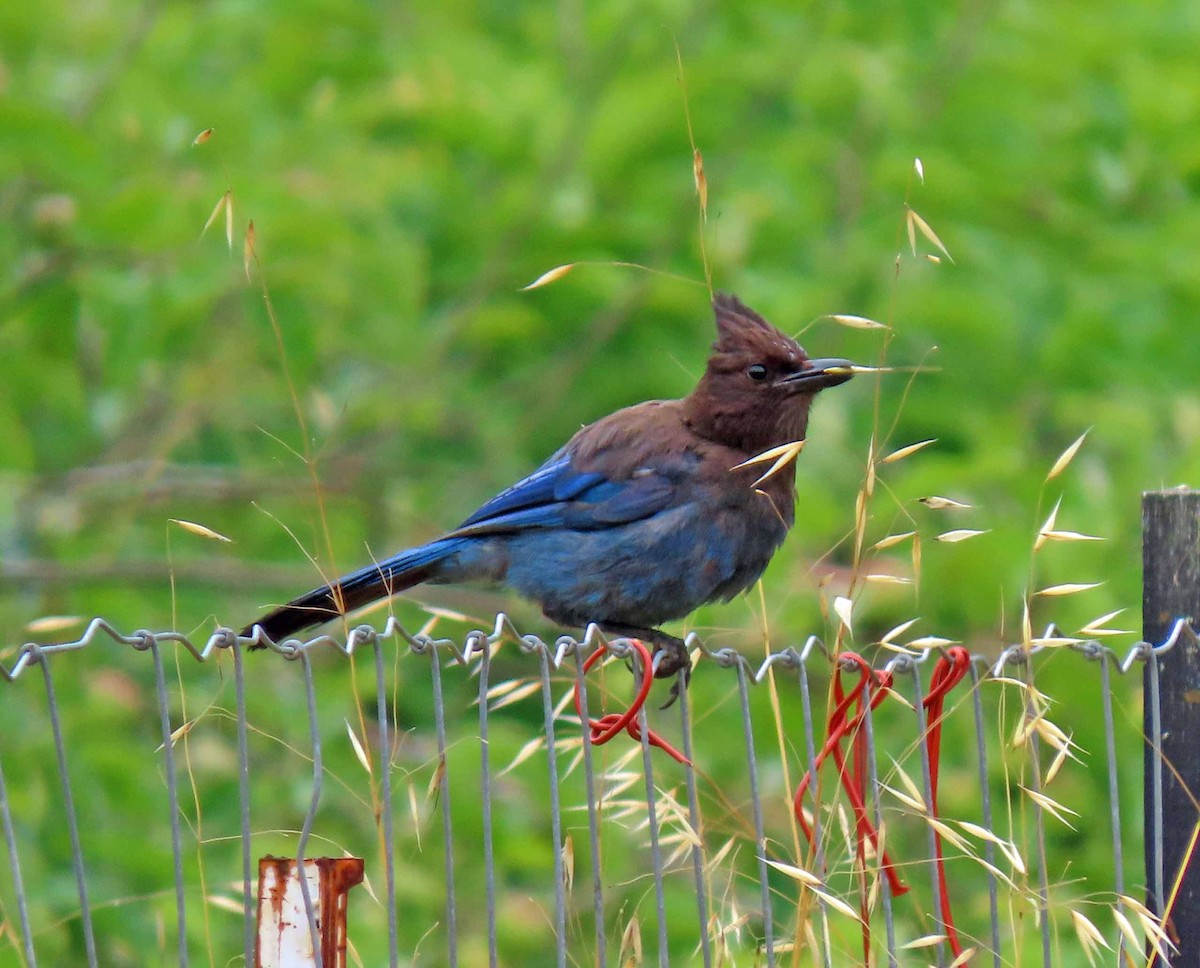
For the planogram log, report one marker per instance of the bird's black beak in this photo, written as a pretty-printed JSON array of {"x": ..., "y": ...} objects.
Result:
[{"x": 819, "y": 375}]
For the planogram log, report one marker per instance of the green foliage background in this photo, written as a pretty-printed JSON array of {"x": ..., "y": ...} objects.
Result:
[{"x": 407, "y": 169}]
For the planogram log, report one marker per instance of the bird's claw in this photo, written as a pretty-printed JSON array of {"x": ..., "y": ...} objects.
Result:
[{"x": 672, "y": 658}]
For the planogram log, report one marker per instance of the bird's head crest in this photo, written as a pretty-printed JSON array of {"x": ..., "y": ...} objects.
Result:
[
  {"x": 759, "y": 383},
  {"x": 741, "y": 332}
]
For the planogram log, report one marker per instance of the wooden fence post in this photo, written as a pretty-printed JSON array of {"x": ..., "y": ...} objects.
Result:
[{"x": 1171, "y": 590}]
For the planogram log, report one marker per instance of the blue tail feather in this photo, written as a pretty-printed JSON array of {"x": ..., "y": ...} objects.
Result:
[{"x": 359, "y": 588}]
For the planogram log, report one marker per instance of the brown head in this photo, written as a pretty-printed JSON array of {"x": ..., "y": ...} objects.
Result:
[{"x": 759, "y": 384}]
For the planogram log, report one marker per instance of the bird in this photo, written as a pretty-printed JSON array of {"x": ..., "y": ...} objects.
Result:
[{"x": 641, "y": 517}]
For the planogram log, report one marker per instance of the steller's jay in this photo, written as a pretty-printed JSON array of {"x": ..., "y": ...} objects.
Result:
[{"x": 643, "y": 516}]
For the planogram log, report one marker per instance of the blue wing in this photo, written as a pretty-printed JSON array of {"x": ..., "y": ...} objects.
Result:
[
  {"x": 553, "y": 481},
  {"x": 558, "y": 495}
]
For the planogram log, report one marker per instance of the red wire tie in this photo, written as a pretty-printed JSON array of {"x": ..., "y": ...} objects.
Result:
[
  {"x": 841, "y": 725},
  {"x": 608, "y": 726},
  {"x": 948, "y": 673}
]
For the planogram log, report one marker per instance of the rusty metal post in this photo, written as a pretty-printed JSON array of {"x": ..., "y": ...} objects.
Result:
[{"x": 284, "y": 938}]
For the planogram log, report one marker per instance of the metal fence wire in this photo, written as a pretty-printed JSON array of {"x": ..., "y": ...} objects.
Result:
[{"x": 724, "y": 875}]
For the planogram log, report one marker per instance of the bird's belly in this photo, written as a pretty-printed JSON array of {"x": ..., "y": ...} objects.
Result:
[{"x": 645, "y": 572}]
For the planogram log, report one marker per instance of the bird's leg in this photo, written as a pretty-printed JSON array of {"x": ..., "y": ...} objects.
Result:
[{"x": 670, "y": 652}]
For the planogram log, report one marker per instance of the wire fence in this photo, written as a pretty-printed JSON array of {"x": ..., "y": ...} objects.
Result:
[{"x": 820, "y": 894}]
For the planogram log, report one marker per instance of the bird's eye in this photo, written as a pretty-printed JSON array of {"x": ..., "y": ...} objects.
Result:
[{"x": 757, "y": 372}]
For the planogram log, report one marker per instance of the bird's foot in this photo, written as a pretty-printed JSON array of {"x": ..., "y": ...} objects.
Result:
[{"x": 670, "y": 656}]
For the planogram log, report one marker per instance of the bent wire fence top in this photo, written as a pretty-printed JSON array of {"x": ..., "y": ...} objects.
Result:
[{"x": 833, "y": 891}]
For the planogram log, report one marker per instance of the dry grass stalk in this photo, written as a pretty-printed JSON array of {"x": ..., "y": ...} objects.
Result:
[
  {"x": 249, "y": 253},
  {"x": 1090, "y": 938},
  {"x": 805, "y": 877},
  {"x": 1050, "y": 805},
  {"x": 1096, "y": 627},
  {"x": 914, "y": 792},
  {"x": 53, "y": 623},
  {"x": 519, "y": 692},
  {"x": 414, "y": 813},
  {"x": 950, "y": 835},
  {"x": 897, "y": 631},
  {"x": 856, "y": 322},
  {"x": 844, "y": 607},
  {"x": 223, "y": 903},
  {"x": 1152, "y": 928},
  {"x": 359, "y": 752},
  {"x": 879, "y": 578},
  {"x": 926, "y": 941},
  {"x": 199, "y": 529},
  {"x": 1067, "y": 456},
  {"x": 901, "y": 453},
  {"x": 527, "y": 750},
  {"x": 1068, "y": 588},
  {"x": 913, "y": 803},
  {"x": 917, "y": 224},
  {"x": 837, "y": 904},
  {"x": 568, "y": 862},
  {"x": 891, "y": 540},
  {"x": 630, "y": 953},
  {"x": 223, "y": 203},
  {"x": 1047, "y": 527},
  {"x": 549, "y": 276},
  {"x": 1068, "y": 536},
  {"x": 959, "y": 534},
  {"x": 943, "y": 503},
  {"x": 435, "y": 782},
  {"x": 931, "y": 642},
  {"x": 782, "y": 455}
]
